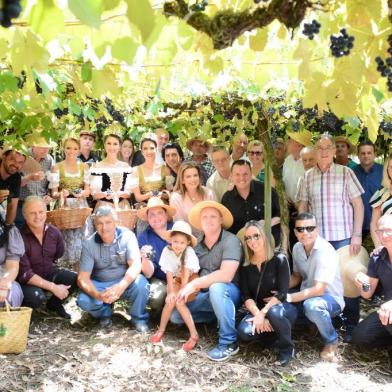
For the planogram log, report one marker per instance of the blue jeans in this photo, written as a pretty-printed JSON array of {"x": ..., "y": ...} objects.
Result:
[
  {"x": 219, "y": 302},
  {"x": 137, "y": 292},
  {"x": 340, "y": 243},
  {"x": 320, "y": 311},
  {"x": 282, "y": 318}
]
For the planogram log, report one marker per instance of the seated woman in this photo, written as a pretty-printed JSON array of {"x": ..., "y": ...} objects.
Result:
[
  {"x": 264, "y": 282},
  {"x": 110, "y": 179},
  {"x": 188, "y": 191},
  {"x": 256, "y": 156},
  {"x": 150, "y": 175},
  {"x": 70, "y": 179},
  {"x": 11, "y": 250}
]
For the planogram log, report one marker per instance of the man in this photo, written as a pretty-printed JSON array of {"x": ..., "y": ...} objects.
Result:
[
  {"x": 376, "y": 329},
  {"x": 332, "y": 193},
  {"x": 369, "y": 174},
  {"x": 240, "y": 145},
  {"x": 316, "y": 267},
  {"x": 173, "y": 156},
  {"x": 343, "y": 149},
  {"x": 36, "y": 183},
  {"x": 87, "y": 142},
  {"x": 246, "y": 200},
  {"x": 199, "y": 148},
  {"x": 110, "y": 269},
  {"x": 220, "y": 180},
  {"x": 279, "y": 151},
  {"x": 163, "y": 137},
  {"x": 10, "y": 180},
  {"x": 151, "y": 242},
  {"x": 38, "y": 274},
  {"x": 219, "y": 254},
  {"x": 308, "y": 157}
]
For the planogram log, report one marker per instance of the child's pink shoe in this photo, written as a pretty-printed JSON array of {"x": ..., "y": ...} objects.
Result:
[
  {"x": 157, "y": 337},
  {"x": 190, "y": 343}
]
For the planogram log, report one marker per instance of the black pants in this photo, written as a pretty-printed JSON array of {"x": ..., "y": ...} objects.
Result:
[
  {"x": 34, "y": 297},
  {"x": 371, "y": 333}
]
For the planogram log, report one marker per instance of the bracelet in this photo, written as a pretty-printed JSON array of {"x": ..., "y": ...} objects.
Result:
[{"x": 357, "y": 235}]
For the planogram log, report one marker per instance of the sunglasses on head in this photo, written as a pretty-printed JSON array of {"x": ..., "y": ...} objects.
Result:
[
  {"x": 302, "y": 229},
  {"x": 256, "y": 236}
]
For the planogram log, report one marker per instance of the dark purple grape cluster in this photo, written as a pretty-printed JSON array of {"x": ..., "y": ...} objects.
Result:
[
  {"x": 199, "y": 6},
  {"x": 311, "y": 29},
  {"x": 386, "y": 127},
  {"x": 11, "y": 9},
  {"x": 341, "y": 44},
  {"x": 385, "y": 67}
]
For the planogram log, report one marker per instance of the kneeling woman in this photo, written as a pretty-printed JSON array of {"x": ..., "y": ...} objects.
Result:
[{"x": 264, "y": 281}]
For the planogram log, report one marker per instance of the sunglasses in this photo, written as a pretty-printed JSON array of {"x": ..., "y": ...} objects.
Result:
[
  {"x": 255, "y": 153},
  {"x": 302, "y": 229},
  {"x": 249, "y": 238}
]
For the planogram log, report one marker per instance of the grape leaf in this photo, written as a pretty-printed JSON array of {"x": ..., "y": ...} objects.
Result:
[
  {"x": 141, "y": 14},
  {"x": 87, "y": 11}
]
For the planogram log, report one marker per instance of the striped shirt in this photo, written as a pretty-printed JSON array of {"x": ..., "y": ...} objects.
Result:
[{"x": 328, "y": 196}]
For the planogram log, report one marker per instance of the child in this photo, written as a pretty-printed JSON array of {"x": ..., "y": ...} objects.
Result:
[{"x": 180, "y": 263}]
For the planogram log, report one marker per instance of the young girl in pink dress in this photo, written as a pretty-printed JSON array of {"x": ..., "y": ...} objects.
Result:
[{"x": 180, "y": 263}]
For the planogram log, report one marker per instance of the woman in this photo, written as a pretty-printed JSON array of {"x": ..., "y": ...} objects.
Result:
[
  {"x": 255, "y": 153},
  {"x": 69, "y": 180},
  {"x": 110, "y": 179},
  {"x": 264, "y": 282},
  {"x": 11, "y": 250},
  {"x": 188, "y": 191},
  {"x": 127, "y": 151},
  {"x": 150, "y": 175},
  {"x": 381, "y": 201}
]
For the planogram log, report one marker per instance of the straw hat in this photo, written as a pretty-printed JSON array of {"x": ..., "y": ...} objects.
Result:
[
  {"x": 40, "y": 141},
  {"x": 182, "y": 227},
  {"x": 190, "y": 142},
  {"x": 350, "y": 265},
  {"x": 87, "y": 132},
  {"x": 344, "y": 139},
  {"x": 194, "y": 213},
  {"x": 303, "y": 137},
  {"x": 154, "y": 202}
]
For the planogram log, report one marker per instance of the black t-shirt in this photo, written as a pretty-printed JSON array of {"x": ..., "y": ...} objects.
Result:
[
  {"x": 92, "y": 158},
  {"x": 252, "y": 208},
  {"x": 380, "y": 268},
  {"x": 276, "y": 278},
  {"x": 12, "y": 183}
]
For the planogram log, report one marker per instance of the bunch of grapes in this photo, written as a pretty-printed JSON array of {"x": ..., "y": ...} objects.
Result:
[
  {"x": 199, "y": 6},
  {"x": 116, "y": 115},
  {"x": 386, "y": 128},
  {"x": 341, "y": 44},
  {"x": 385, "y": 67},
  {"x": 310, "y": 29},
  {"x": 11, "y": 10}
]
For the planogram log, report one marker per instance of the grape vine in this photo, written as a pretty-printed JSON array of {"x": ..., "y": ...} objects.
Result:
[{"x": 11, "y": 9}]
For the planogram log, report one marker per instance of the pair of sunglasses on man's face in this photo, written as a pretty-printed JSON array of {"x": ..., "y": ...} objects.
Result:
[{"x": 302, "y": 229}]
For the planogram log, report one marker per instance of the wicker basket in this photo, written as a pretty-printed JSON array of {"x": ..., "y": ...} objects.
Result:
[
  {"x": 14, "y": 328},
  {"x": 68, "y": 218},
  {"x": 127, "y": 218}
]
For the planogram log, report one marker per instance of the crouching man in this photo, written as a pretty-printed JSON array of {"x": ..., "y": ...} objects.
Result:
[{"x": 110, "y": 269}]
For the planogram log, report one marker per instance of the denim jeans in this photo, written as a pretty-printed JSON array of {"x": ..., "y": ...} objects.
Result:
[
  {"x": 320, "y": 311},
  {"x": 282, "y": 318},
  {"x": 219, "y": 302},
  {"x": 137, "y": 293},
  {"x": 340, "y": 243}
]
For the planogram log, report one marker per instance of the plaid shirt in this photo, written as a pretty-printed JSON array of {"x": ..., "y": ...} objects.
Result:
[
  {"x": 207, "y": 165},
  {"x": 38, "y": 188},
  {"x": 329, "y": 196}
]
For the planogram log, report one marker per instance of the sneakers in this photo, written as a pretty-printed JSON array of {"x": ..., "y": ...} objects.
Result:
[
  {"x": 59, "y": 310},
  {"x": 140, "y": 326},
  {"x": 105, "y": 322},
  {"x": 329, "y": 352},
  {"x": 285, "y": 357},
  {"x": 222, "y": 352}
]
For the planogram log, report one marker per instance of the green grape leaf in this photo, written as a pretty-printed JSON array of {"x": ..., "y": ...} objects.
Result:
[
  {"x": 87, "y": 11},
  {"x": 110, "y": 4},
  {"x": 141, "y": 14},
  {"x": 8, "y": 82},
  {"x": 258, "y": 41},
  {"x": 124, "y": 49},
  {"x": 86, "y": 72}
]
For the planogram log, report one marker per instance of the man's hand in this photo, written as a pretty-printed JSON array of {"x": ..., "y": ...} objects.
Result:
[
  {"x": 355, "y": 245},
  {"x": 112, "y": 294},
  {"x": 60, "y": 291},
  {"x": 5, "y": 284},
  {"x": 385, "y": 313},
  {"x": 260, "y": 324},
  {"x": 186, "y": 291},
  {"x": 360, "y": 279},
  {"x": 3, "y": 295}
]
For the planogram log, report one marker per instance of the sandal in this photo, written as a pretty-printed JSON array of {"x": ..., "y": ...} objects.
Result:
[
  {"x": 190, "y": 343},
  {"x": 157, "y": 337}
]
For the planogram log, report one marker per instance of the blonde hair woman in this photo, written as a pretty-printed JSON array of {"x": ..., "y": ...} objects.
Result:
[
  {"x": 255, "y": 152},
  {"x": 381, "y": 201},
  {"x": 264, "y": 282}
]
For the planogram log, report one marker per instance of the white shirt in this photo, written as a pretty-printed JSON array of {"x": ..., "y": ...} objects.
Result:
[
  {"x": 218, "y": 184},
  {"x": 170, "y": 262},
  {"x": 292, "y": 171}
]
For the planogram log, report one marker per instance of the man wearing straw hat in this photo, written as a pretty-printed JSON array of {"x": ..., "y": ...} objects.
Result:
[
  {"x": 376, "y": 329},
  {"x": 34, "y": 179},
  {"x": 151, "y": 241},
  {"x": 110, "y": 269},
  {"x": 219, "y": 253},
  {"x": 87, "y": 142},
  {"x": 344, "y": 148}
]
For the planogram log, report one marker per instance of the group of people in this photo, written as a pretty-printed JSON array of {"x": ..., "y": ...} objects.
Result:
[{"x": 200, "y": 250}]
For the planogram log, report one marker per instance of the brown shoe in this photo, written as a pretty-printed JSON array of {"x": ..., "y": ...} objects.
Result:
[{"x": 329, "y": 352}]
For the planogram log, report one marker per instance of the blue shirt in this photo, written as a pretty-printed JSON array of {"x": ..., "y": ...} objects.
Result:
[
  {"x": 371, "y": 182},
  {"x": 149, "y": 237}
]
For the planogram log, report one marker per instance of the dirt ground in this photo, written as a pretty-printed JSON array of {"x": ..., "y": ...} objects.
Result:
[{"x": 78, "y": 356}]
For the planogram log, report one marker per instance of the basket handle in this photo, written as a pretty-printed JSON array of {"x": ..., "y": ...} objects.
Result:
[
  {"x": 62, "y": 200},
  {"x": 7, "y": 306}
]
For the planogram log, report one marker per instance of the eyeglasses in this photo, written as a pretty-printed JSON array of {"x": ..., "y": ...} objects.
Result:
[
  {"x": 249, "y": 238},
  {"x": 255, "y": 152},
  {"x": 387, "y": 232},
  {"x": 302, "y": 229},
  {"x": 318, "y": 148}
]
